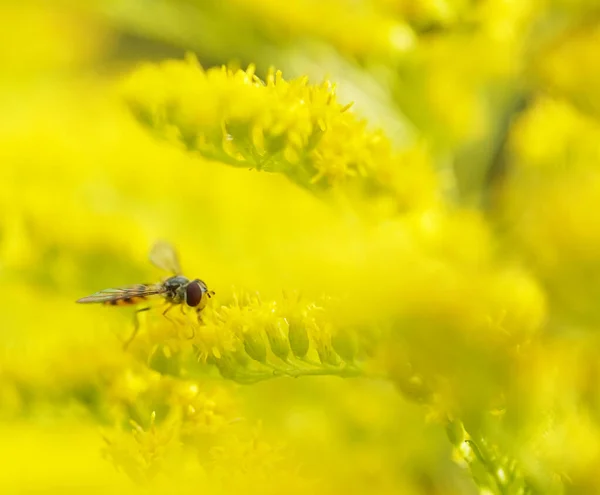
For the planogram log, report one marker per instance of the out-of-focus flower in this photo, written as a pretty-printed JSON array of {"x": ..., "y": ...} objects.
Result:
[
  {"x": 358, "y": 266},
  {"x": 290, "y": 127}
]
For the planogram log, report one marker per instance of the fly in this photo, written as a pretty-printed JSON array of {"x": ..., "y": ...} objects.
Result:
[{"x": 177, "y": 290}]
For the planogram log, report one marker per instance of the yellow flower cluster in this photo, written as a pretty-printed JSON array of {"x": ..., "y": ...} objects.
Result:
[
  {"x": 364, "y": 302},
  {"x": 251, "y": 340},
  {"x": 289, "y": 127}
]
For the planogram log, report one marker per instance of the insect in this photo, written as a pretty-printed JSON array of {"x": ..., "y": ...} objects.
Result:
[{"x": 177, "y": 290}]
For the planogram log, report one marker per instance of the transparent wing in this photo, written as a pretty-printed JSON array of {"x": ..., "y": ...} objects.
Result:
[
  {"x": 123, "y": 293},
  {"x": 164, "y": 256}
]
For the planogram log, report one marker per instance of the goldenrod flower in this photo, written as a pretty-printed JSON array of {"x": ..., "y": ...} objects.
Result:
[{"x": 289, "y": 127}]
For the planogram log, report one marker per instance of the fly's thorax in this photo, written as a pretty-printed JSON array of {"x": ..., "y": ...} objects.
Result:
[{"x": 176, "y": 287}]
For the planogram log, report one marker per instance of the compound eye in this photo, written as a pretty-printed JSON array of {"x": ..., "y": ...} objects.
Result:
[{"x": 193, "y": 294}]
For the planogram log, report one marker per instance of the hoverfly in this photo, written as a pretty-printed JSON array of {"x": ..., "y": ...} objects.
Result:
[{"x": 177, "y": 290}]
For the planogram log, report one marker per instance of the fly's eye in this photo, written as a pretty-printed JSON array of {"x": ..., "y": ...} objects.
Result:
[{"x": 193, "y": 294}]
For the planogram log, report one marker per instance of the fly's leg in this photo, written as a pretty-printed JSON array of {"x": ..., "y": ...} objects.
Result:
[
  {"x": 199, "y": 314},
  {"x": 136, "y": 319},
  {"x": 199, "y": 309},
  {"x": 169, "y": 308},
  {"x": 193, "y": 329}
]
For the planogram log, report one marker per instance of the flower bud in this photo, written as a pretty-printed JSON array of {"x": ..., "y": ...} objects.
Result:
[
  {"x": 327, "y": 354},
  {"x": 255, "y": 345},
  {"x": 241, "y": 357},
  {"x": 277, "y": 333},
  {"x": 455, "y": 432},
  {"x": 345, "y": 343},
  {"x": 298, "y": 337},
  {"x": 228, "y": 367}
]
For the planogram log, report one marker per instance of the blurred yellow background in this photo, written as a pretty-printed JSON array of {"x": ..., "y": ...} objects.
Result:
[{"x": 430, "y": 254}]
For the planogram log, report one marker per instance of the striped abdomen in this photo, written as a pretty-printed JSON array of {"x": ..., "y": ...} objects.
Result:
[
  {"x": 125, "y": 296},
  {"x": 127, "y": 301}
]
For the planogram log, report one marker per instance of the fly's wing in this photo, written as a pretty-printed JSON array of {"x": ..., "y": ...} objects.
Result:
[
  {"x": 133, "y": 293},
  {"x": 164, "y": 256}
]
